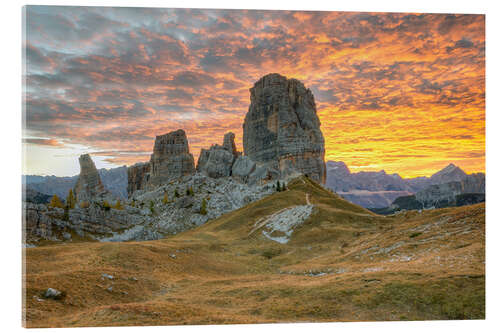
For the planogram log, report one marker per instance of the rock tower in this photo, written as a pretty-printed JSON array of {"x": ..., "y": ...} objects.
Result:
[
  {"x": 89, "y": 186},
  {"x": 171, "y": 158},
  {"x": 281, "y": 131}
]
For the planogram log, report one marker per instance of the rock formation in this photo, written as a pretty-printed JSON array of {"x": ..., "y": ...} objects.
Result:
[
  {"x": 171, "y": 158},
  {"x": 243, "y": 167},
  {"x": 89, "y": 186},
  {"x": 138, "y": 176},
  {"x": 218, "y": 161},
  {"x": 114, "y": 180},
  {"x": 281, "y": 131},
  {"x": 435, "y": 195}
]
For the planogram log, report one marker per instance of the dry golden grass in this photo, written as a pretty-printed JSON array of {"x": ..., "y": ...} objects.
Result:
[{"x": 413, "y": 266}]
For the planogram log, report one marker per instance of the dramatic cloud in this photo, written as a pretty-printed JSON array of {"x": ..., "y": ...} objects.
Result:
[{"x": 400, "y": 92}]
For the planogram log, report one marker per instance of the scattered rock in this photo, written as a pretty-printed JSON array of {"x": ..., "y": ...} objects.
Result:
[
  {"x": 106, "y": 276},
  {"x": 185, "y": 202},
  {"x": 53, "y": 294},
  {"x": 172, "y": 255},
  {"x": 279, "y": 226}
]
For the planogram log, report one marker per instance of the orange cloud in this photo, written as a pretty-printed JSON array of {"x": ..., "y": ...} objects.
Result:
[{"x": 401, "y": 92}]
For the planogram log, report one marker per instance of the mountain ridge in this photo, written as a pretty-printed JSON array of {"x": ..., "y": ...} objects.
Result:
[{"x": 379, "y": 189}]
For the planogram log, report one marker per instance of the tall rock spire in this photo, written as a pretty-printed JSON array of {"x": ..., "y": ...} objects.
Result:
[
  {"x": 89, "y": 186},
  {"x": 282, "y": 130}
]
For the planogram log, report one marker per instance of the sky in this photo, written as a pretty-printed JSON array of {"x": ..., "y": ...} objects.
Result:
[{"x": 400, "y": 92}]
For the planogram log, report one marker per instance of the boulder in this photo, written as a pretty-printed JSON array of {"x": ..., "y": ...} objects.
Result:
[
  {"x": 281, "y": 130},
  {"x": 242, "y": 168},
  {"x": 263, "y": 174},
  {"x": 53, "y": 293}
]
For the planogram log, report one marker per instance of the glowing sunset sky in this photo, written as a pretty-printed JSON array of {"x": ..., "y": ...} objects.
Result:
[{"x": 399, "y": 92}]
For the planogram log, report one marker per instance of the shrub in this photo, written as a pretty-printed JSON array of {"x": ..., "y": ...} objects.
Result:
[
  {"x": 56, "y": 202},
  {"x": 84, "y": 204},
  {"x": 203, "y": 209},
  {"x": 165, "y": 198},
  {"x": 271, "y": 253},
  {"x": 189, "y": 191},
  {"x": 176, "y": 193}
]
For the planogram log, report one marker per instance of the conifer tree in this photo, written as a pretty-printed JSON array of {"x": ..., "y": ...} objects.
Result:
[
  {"x": 70, "y": 199},
  {"x": 203, "y": 209},
  {"x": 56, "y": 202}
]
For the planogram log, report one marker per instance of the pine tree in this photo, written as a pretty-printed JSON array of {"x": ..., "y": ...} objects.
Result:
[
  {"x": 165, "y": 198},
  {"x": 176, "y": 193},
  {"x": 70, "y": 199},
  {"x": 278, "y": 186},
  {"x": 203, "y": 209},
  {"x": 56, "y": 202}
]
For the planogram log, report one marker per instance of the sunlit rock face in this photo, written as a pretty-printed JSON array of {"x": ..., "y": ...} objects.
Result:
[
  {"x": 281, "y": 131},
  {"x": 89, "y": 186},
  {"x": 171, "y": 158}
]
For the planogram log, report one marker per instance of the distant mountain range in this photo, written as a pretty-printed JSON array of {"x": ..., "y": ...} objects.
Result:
[
  {"x": 379, "y": 189},
  {"x": 373, "y": 189},
  {"x": 115, "y": 180}
]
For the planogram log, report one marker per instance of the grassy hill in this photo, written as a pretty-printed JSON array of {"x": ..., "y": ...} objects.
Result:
[{"x": 343, "y": 263}]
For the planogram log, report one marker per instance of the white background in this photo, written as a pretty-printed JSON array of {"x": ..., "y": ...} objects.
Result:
[{"x": 10, "y": 154}]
